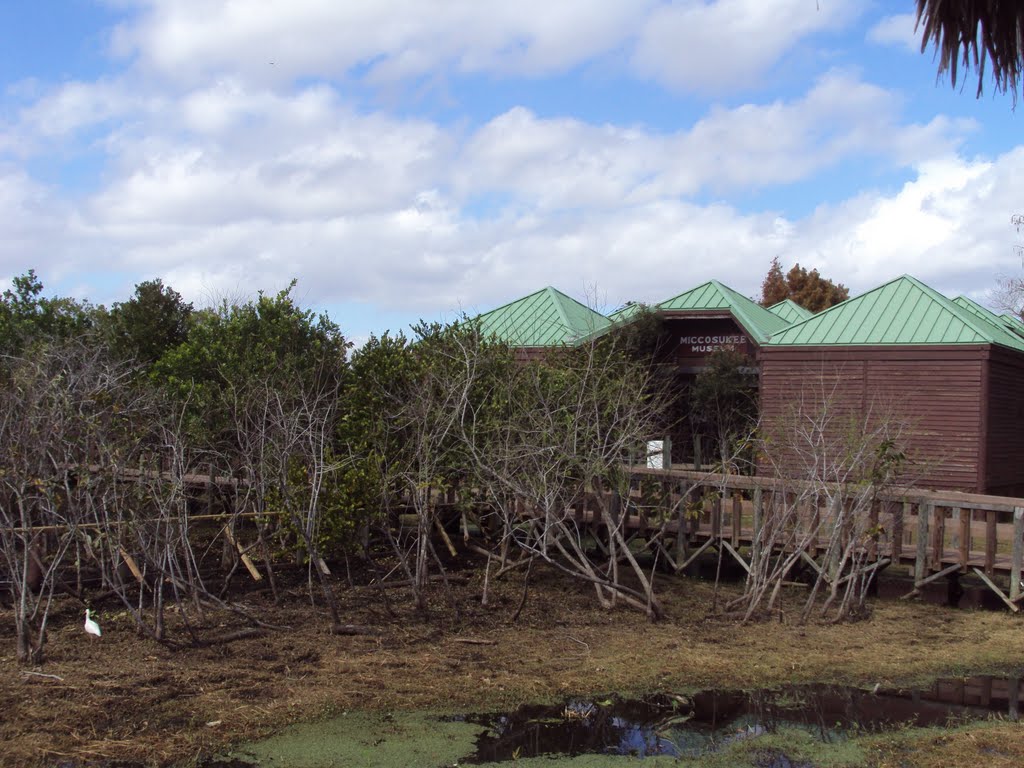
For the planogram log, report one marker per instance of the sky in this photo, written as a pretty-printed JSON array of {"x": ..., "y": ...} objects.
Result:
[{"x": 407, "y": 160}]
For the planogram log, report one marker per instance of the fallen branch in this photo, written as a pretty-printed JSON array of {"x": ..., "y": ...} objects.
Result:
[
  {"x": 353, "y": 629},
  {"x": 41, "y": 674},
  {"x": 473, "y": 641}
]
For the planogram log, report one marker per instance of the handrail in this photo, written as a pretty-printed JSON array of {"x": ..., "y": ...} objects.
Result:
[{"x": 893, "y": 493}]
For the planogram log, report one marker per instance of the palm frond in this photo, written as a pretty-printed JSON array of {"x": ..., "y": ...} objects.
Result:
[{"x": 975, "y": 34}]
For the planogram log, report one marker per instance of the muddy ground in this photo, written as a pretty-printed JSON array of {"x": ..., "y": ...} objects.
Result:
[{"x": 122, "y": 699}]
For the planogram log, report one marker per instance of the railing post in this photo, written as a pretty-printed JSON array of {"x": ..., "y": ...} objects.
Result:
[
  {"x": 899, "y": 515},
  {"x": 990, "y": 542},
  {"x": 920, "y": 563},
  {"x": 755, "y": 547},
  {"x": 666, "y": 453},
  {"x": 964, "y": 516},
  {"x": 938, "y": 537},
  {"x": 1018, "y": 552},
  {"x": 737, "y": 517}
]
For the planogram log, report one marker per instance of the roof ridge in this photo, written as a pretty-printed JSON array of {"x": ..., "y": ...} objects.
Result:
[
  {"x": 982, "y": 329},
  {"x": 514, "y": 301},
  {"x": 555, "y": 296},
  {"x": 966, "y": 316}
]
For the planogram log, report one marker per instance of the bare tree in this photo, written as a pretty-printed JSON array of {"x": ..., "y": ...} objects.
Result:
[
  {"x": 57, "y": 405},
  {"x": 830, "y": 464},
  {"x": 552, "y": 462}
]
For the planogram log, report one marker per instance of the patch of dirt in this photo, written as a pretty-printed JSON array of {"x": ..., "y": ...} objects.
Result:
[{"x": 124, "y": 700}]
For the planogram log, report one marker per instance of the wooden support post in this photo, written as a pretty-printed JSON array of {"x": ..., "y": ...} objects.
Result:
[
  {"x": 736, "y": 555},
  {"x": 991, "y": 585},
  {"x": 1018, "y": 552},
  {"x": 990, "y": 542},
  {"x": 929, "y": 579},
  {"x": 700, "y": 550},
  {"x": 815, "y": 525},
  {"x": 964, "y": 516},
  {"x": 921, "y": 560},
  {"x": 899, "y": 516},
  {"x": 938, "y": 537},
  {"x": 810, "y": 561},
  {"x": 132, "y": 565},
  {"x": 716, "y": 517},
  {"x": 833, "y": 558},
  {"x": 755, "y": 547},
  {"x": 1013, "y": 698},
  {"x": 682, "y": 534},
  {"x": 737, "y": 517},
  {"x": 873, "y": 515},
  {"x": 445, "y": 538},
  {"x": 246, "y": 560},
  {"x": 666, "y": 453}
]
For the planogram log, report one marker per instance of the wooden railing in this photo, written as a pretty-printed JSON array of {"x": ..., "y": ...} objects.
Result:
[{"x": 938, "y": 533}]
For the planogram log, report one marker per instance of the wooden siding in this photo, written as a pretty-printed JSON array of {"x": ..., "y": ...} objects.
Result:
[
  {"x": 1004, "y": 467},
  {"x": 936, "y": 392}
]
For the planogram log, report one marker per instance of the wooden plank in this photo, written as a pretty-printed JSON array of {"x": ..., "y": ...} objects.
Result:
[
  {"x": 929, "y": 579},
  {"x": 700, "y": 551},
  {"x": 1018, "y": 553},
  {"x": 924, "y": 513},
  {"x": 938, "y": 536},
  {"x": 749, "y": 482},
  {"x": 900, "y": 513},
  {"x": 246, "y": 560},
  {"x": 736, "y": 555},
  {"x": 873, "y": 515},
  {"x": 132, "y": 565},
  {"x": 682, "y": 535},
  {"x": 991, "y": 542},
  {"x": 965, "y": 536},
  {"x": 755, "y": 550},
  {"x": 737, "y": 518},
  {"x": 991, "y": 585}
]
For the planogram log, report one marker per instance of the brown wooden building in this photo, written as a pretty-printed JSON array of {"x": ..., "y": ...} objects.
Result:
[{"x": 948, "y": 373}]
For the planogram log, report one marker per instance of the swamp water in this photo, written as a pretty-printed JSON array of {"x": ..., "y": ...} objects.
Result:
[{"x": 657, "y": 729}]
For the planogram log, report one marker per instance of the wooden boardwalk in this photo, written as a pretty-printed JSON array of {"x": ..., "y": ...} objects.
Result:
[{"x": 932, "y": 533}]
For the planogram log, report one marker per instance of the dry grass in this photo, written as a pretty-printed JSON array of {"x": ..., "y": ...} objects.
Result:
[{"x": 125, "y": 698}]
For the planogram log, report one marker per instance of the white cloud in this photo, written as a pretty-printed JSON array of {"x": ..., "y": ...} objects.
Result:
[
  {"x": 566, "y": 163},
  {"x": 702, "y": 45},
  {"x": 228, "y": 180},
  {"x": 898, "y": 30},
  {"x": 707, "y": 46},
  {"x": 270, "y": 42},
  {"x": 948, "y": 226}
]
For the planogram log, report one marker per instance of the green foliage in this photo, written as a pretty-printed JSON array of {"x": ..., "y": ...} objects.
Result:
[
  {"x": 153, "y": 321},
  {"x": 27, "y": 317},
  {"x": 268, "y": 343}
]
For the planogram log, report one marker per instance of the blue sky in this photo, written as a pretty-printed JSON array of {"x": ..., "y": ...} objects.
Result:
[{"x": 412, "y": 159}]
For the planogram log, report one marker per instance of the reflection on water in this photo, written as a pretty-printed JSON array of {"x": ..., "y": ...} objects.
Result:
[{"x": 707, "y": 721}]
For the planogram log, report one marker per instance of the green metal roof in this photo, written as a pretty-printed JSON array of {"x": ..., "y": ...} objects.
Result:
[
  {"x": 757, "y": 321},
  {"x": 902, "y": 312},
  {"x": 547, "y": 318},
  {"x": 999, "y": 321},
  {"x": 790, "y": 311},
  {"x": 975, "y": 308},
  {"x": 625, "y": 312},
  {"x": 1013, "y": 322}
]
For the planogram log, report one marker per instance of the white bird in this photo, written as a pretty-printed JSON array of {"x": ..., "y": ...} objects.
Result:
[{"x": 91, "y": 626}]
